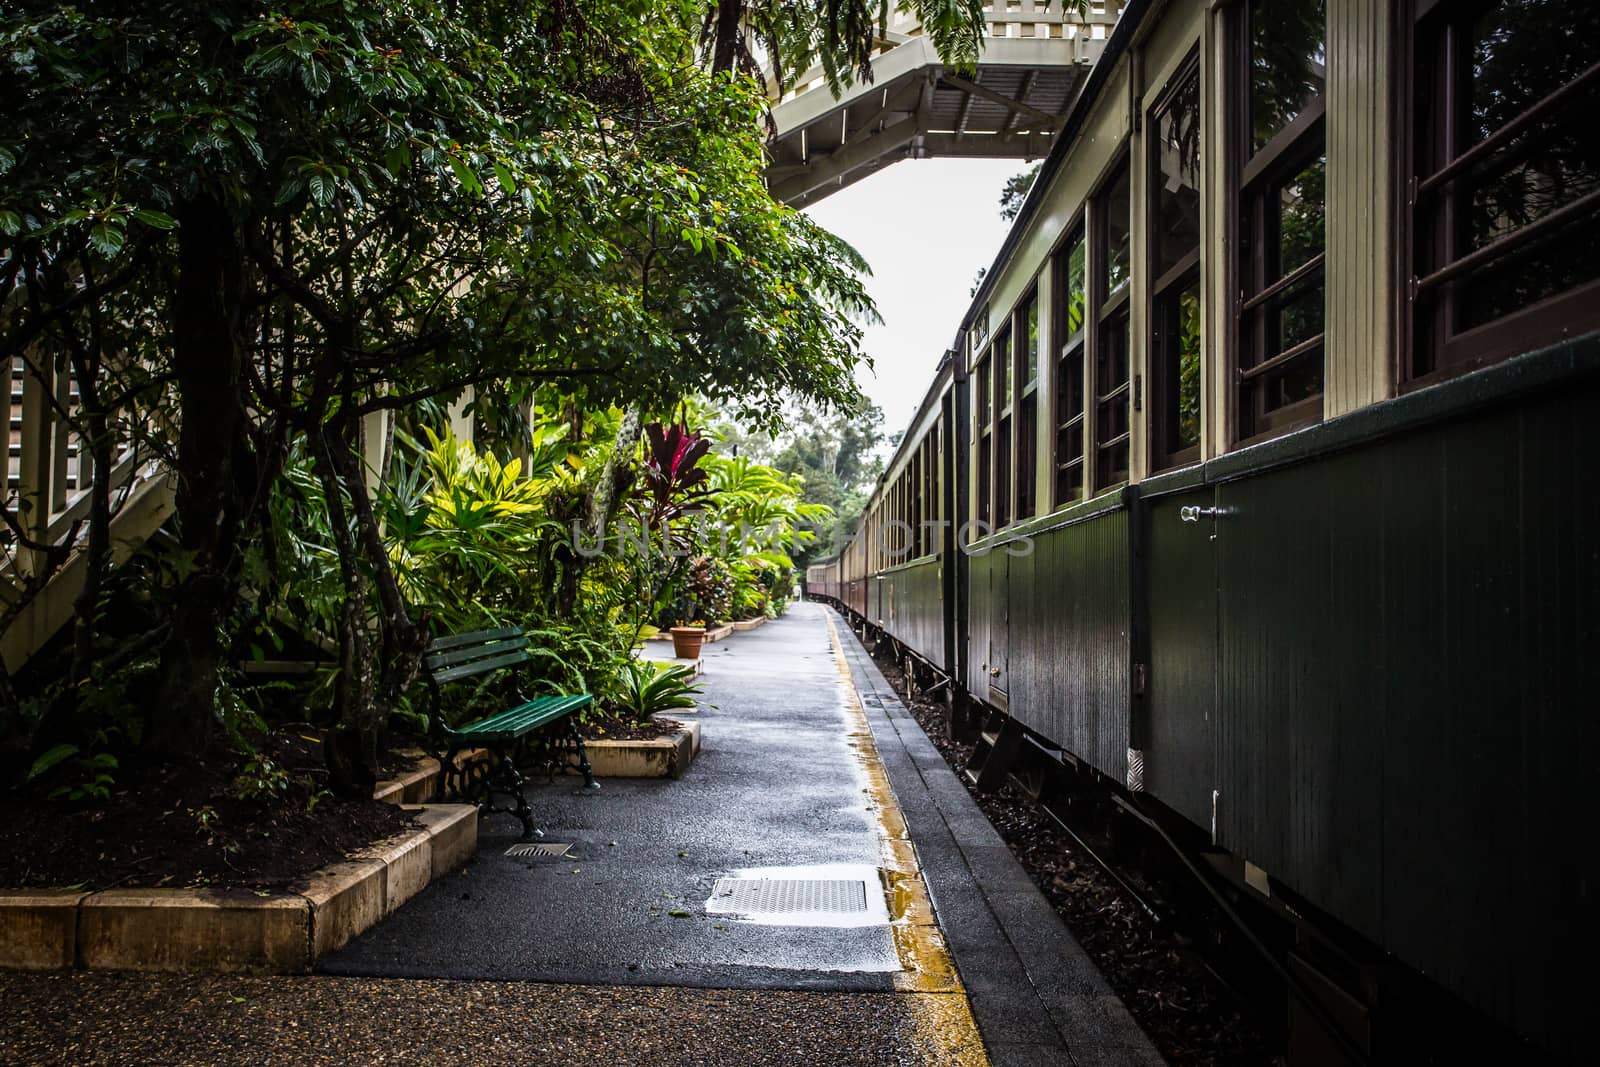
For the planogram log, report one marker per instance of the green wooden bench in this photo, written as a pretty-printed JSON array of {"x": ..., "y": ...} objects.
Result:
[{"x": 535, "y": 731}]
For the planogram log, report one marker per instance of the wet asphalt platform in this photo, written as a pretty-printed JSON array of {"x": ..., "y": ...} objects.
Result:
[
  {"x": 776, "y": 784},
  {"x": 609, "y": 955}
]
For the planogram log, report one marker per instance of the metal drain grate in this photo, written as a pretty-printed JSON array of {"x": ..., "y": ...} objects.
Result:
[
  {"x": 540, "y": 849},
  {"x": 788, "y": 896}
]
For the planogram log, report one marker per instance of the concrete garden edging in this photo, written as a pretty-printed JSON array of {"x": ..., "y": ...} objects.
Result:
[
  {"x": 420, "y": 784},
  {"x": 233, "y": 930},
  {"x": 661, "y": 757},
  {"x": 746, "y": 625}
]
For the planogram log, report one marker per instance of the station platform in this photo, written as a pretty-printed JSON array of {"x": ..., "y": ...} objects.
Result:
[{"x": 817, "y": 888}]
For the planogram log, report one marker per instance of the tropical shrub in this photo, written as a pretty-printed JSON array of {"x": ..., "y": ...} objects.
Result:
[{"x": 645, "y": 688}]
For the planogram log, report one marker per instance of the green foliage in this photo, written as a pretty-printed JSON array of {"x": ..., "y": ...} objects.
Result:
[
  {"x": 704, "y": 596},
  {"x": 839, "y": 37},
  {"x": 261, "y": 779},
  {"x": 88, "y": 776},
  {"x": 1016, "y": 190},
  {"x": 471, "y": 539},
  {"x": 49, "y": 758},
  {"x": 398, "y": 201},
  {"x": 835, "y": 458},
  {"x": 645, "y": 688}
]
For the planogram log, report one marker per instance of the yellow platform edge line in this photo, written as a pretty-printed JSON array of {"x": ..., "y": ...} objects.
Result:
[{"x": 936, "y": 998}]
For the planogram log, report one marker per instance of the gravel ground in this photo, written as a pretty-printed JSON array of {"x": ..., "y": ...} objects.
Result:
[{"x": 84, "y": 1019}]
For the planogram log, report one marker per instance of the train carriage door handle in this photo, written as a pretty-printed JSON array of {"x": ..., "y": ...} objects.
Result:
[{"x": 1194, "y": 513}]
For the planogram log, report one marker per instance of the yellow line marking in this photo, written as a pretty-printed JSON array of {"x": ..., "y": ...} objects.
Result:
[{"x": 938, "y": 1004}]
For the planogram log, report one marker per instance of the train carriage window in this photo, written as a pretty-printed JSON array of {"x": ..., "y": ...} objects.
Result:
[
  {"x": 918, "y": 507},
  {"x": 1111, "y": 331},
  {"x": 1175, "y": 267},
  {"x": 1071, "y": 274},
  {"x": 1279, "y": 166},
  {"x": 1027, "y": 334},
  {"x": 1003, "y": 423},
  {"x": 1505, "y": 180},
  {"x": 984, "y": 410}
]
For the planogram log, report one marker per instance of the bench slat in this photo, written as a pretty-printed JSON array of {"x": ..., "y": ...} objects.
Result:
[
  {"x": 440, "y": 644},
  {"x": 463, "y": 655},
  {"x": 514, "y": 722},
  {"x": 481, "y": 666}
]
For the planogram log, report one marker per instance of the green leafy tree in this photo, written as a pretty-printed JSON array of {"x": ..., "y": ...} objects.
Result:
[
  {"x": 1016, "y": 190},
  {"x": 339, "y": 209},
  {"x": 841, "y": 37},
  {"x": 838, "y": 457}
]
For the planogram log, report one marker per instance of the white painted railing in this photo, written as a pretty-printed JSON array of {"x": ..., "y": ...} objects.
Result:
[{"x": 48, "y": 476}]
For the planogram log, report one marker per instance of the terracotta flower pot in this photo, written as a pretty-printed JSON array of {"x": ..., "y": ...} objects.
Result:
[{"x": 686, "y": 641}]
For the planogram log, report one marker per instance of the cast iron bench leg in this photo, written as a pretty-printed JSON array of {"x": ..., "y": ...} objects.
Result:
[
  {"x": 513, "y": 786},
  {"x": 583, "y": 757}
]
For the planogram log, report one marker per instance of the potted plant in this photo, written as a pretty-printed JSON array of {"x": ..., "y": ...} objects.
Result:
[{"x": 687, "y": 639}]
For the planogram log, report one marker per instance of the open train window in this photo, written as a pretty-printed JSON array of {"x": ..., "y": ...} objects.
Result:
[
  {"x": 1504, "y": 183},
  {"x": 1110, "y": 295},
  {"x": 1174, "y": 168},
  {"x": 1027, "y": 335},
  {"x": 1071, "y": 275},
  {"x": 1279, "y": 167}
]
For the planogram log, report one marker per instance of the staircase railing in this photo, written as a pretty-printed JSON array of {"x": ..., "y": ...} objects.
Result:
[{"x": 49, "y": 471}]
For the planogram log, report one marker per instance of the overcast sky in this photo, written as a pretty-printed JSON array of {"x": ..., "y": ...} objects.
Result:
[{"x": 926, "y": 227}]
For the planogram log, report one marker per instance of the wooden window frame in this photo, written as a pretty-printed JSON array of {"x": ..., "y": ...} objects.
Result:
[
  {"x": 1251, "y": 179},
  {"x": 1424, "y": 205},
  {"x": 983, "y": 452},
  {"x": 1004, "y": 394},
  {"x": 1107, "y": 309},
  {"x": 1171, "y": 282},
  {"x": 1025, "y": 465},
  {"x": 1075, "y": 349}
]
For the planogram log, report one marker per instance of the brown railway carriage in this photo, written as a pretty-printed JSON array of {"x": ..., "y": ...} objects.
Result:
[{"x": 1262, "y": 484}]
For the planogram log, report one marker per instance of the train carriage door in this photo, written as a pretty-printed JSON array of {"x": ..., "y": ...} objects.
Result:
[
  {"x": 999, "y": 651},
  {"x": 1176, "y": 660}
]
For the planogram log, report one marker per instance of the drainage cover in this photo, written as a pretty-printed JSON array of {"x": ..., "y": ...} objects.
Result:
[
  {"x": 788, "y": 896},
  {"x": 540, "y": 849}
]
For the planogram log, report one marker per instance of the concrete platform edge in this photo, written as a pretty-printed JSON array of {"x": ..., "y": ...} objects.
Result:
[{"x": 1032, "y": 987}]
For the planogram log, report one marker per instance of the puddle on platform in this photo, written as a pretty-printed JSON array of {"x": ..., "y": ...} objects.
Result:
[{"x": 835, "y": 895}]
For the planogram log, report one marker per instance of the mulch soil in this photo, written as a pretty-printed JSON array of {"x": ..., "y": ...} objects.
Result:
[
  {"x": 1189, "y": 1015},
  {"x": 183, "y": 825},
  {"x": 609, "y": 727}
]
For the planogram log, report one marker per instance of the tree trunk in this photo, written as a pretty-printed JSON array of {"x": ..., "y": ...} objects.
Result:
[
  {"x": 725, "y": 44},
  {"x": 403, "y": 640},
  {"x": 351, "y": 749},
  {"x": 599, "y": 509},
  {"x": 97, "y": 557},
  {"x": 603, "y": 498},
  {"x": 207, "y": 361}
]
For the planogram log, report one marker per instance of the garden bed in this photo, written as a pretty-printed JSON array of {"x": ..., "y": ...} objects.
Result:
[
  {"x": 663, "y": 748},
  {"x": 220, "y": 929},
  {"x": 217, "y": 865},
  {"x": 184, "y": 826}
]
